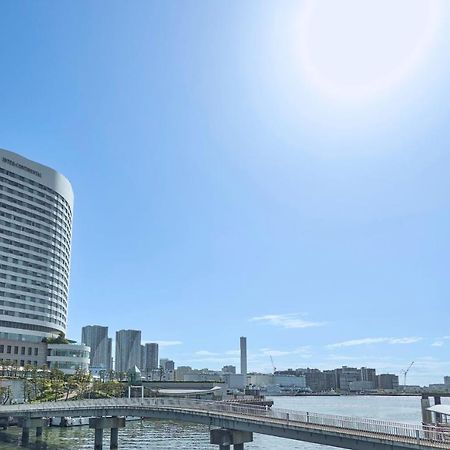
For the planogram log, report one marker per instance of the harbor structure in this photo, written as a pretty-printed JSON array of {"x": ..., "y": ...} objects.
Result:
[
  {"x": 96, "y": 337},
  {"x": 128, "y": 350},
  {"x": 36, "y": 213}
]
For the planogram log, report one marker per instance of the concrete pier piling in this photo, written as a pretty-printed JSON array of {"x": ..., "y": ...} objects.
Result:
[
  {"x": 26, "y": 424},
  {"x": 224, "y": 438},
  {"x": 426, "y": 415},
  {"x": 98, "y": 439},
  {"x": 39, "y": 432},
  {"x": 101, "y": 423},
  {"x": 114, "y": 444}
]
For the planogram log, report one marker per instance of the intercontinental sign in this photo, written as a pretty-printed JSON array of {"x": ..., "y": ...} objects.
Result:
[{"x": 21, "y": 166}]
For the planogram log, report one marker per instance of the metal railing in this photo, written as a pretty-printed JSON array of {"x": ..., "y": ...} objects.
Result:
[{"x": 355, "y": 426}]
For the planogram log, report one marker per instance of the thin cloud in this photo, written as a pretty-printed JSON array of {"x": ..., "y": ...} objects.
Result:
[
  {"x": 405, "y": 340},
  {"x": 437, "y": 344},
  {"x": 372, "y": 341},
  {"x": 304, "y": 351},
  {"x": 218, "y": 360},
  {"x": 440, "y": 342},
  {"x": 286, "y": 321},
  {"x": 205, "y": 353}
]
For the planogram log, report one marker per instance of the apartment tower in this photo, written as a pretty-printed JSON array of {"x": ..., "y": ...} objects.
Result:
[
  {"x": 96, "y": 337},
  {"x": 128, "y": 350}
]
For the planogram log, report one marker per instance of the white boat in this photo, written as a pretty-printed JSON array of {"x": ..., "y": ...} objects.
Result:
[
  {"x": 78, "y": 421},
  {"x": 68, "y": 421}
]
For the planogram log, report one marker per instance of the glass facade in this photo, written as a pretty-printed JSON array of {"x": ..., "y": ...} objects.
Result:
[{"x": 68, "y": 357}]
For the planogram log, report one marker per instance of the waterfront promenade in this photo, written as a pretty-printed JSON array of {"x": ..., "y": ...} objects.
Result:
[{"x": 338, "y": 431}]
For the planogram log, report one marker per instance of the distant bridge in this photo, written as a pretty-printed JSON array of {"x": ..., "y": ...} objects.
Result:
[{"x": 236, "y": 423}]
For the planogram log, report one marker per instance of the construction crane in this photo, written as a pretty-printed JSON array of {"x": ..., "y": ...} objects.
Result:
[
  {"x": 405, "y": 372},
  {"x": 273, "y": 365}
]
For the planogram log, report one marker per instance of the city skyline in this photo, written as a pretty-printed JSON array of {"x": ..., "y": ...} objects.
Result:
[
  {"x": 223, "y": 188},
  {"x": 135, "y": 357},
  {"x": 236, "y": 359}
]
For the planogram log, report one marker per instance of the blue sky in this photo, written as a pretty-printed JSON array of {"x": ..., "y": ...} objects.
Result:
[{"x": 223, "y": 188}]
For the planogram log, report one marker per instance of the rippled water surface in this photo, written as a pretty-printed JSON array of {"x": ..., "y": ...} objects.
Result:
[{"x": 172, "y": 435}]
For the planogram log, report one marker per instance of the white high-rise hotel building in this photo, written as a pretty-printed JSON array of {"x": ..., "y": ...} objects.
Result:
[{"x": 36, "y": 205}]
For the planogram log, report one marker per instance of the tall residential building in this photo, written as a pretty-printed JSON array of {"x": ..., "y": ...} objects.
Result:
[
  {"x": 36, "y": 206},
  {"x": 111, "y": 365},
  {"x": 369, "y": 375},
  {"x": 96, "y": 337},
  {"x": 162, "y": 362},
  {"x": 151, "y": 356},
  {"x": 315, "y": 379},
  {"x": 143, "y": 358},
  {"x": 128, "y": 350},
  {"x": 331, "y": 382},
  {"x": 243, "y": 342},
  {"x": 348, "y": 375},
  {"x": 169, "y": 365}
]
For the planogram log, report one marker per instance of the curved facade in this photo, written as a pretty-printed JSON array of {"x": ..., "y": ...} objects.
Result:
[
  {"x": 68, "y": 357},
  {"x": 36, "y": 205}
]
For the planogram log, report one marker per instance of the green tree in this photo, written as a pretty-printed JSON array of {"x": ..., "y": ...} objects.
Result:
[
  {"x": 56, "y": 383},
  {"x": 34, "y": 380},
  {"x": 5, "y": 394}
]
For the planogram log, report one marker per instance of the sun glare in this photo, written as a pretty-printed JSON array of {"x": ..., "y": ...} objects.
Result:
[{"x": 360, "y": 48}]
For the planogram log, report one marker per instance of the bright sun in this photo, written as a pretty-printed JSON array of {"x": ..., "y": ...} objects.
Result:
[{"x": 359, "y": 48}]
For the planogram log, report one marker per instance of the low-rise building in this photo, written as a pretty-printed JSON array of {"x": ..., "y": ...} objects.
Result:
[
  {"x": 260, "y": 379},
  {"x": 361, "y": 386},
  {"x": 181, "y": 371},
  {"x": 203, "y": 375},
  {"x": 23, "y": 353},
  {"x": 69, "y": 358},
  {"x": 441, "y": 387},
  {"x": 229, "y": 369},
  {"x": 291, "y": 381},
  {"x": 234, "y": 380}
]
